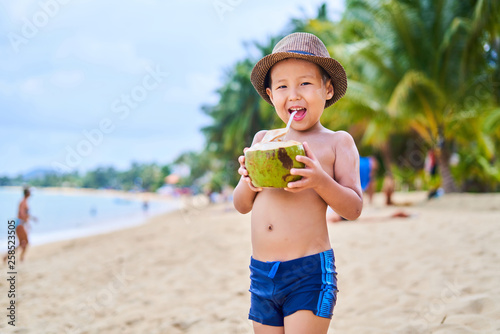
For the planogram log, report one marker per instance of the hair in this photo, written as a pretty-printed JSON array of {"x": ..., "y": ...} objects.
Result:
[
  {"x": 324, "y": 76},
  {"x": 26, "y": 192}
]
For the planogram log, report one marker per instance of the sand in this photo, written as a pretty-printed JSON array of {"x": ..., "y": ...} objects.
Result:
[{"x": 187, "y": 272}]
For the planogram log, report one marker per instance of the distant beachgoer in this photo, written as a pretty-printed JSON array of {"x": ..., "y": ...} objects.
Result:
[
  {"x": 23, "y": 217},
  {"x": 388, "y": 188},
  {"x": 145, "y": 206},
  {"x": 430, "y": 168},
  {"x": 368, "y": 167},
  {"x": 333, "y": 217},
  {"x": 430, "y": 165}
]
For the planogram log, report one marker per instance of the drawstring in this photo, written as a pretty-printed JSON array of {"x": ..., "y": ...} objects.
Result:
[{"x": 273, "y": 270}]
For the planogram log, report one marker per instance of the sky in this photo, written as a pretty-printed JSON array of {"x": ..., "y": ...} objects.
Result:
[{"x": 87, "y": 83}]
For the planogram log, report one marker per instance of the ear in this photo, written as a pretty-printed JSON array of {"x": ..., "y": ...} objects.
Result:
[
  {"x": 329, "y": 89},
  {"x": 270, "y": 94}
]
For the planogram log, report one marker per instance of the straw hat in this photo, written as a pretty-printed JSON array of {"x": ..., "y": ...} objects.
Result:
[{"x": 305, "y": 46}]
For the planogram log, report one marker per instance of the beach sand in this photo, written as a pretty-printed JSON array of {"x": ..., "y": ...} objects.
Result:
[{"x": 187, "y": 272}]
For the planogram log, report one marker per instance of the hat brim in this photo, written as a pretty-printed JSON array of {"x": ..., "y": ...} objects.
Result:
[{"x": 334, "y": 69}]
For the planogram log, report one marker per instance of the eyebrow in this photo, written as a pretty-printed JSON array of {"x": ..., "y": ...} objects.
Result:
[{"x": 301, "y": 77}]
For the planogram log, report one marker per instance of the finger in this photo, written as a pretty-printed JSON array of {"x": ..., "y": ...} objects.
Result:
[
  {"x": 255, "y": 189},
  {"x": 242, "y": 171},
  {"x": 308, "y": 150},
  {"x": 305, "y": 160},
  {"x": 250, "y": 184},
  {"x": 301, "y": 172},
  {"x": 246, "y": 149},
  {"x": 297, "y": 184},
  {"x": 241, "y": 159}
]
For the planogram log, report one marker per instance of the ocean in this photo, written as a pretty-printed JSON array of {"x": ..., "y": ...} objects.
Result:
[{"x": 67, "y": 215}]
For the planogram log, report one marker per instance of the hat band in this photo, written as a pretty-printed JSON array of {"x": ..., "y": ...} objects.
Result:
[{"x": 302, "y": 52}]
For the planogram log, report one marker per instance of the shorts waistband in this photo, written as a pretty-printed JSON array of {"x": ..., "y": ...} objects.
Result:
[{"x": 307, "y": 261}]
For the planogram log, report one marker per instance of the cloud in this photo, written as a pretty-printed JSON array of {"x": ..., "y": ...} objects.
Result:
[
  {"x": 119, "y": 55},
  {"x": 17, "y": 10},
  {"x": 67, "y": 79},
  {"x": 38, "y": 86},
  {"x": 33, "y": 86},
  {"x": 6, "y": 89},
  {"x": 198, "y": 86}
]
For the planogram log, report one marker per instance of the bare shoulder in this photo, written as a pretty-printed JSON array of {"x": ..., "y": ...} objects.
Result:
[
  {"x": 346, "y": 152},
  {"x": 338, "y": 138},
  {"x": 259, "y": 136},
  {"x": 342, "y": 137},
  {"x": 344, "y": 148},
  {"x": 340, "y": 141}
]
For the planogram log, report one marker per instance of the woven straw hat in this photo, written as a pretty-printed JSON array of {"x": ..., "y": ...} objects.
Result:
[{"x": 305, "y": 46}]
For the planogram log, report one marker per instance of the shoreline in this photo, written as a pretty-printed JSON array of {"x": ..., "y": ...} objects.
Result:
[
  {"x": 98, "y": 225},
  {"x": 92, "y": 191}
]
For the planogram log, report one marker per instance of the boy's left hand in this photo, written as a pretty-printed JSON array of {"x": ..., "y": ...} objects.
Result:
[{"x": 312, "y": 174}]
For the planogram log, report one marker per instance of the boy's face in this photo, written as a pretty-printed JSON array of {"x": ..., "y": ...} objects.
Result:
[{"x": 297, "y": 84}]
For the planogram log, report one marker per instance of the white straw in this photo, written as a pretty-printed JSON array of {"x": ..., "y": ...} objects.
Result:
[{"x": 289, "y": 123}]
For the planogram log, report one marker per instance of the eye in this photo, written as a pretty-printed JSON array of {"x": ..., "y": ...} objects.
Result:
[
  {"x": 282, "y": 86},
  {"x": 306, "y": 83}
]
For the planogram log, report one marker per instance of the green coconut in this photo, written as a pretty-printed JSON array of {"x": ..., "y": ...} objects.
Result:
[{"x": 269, "y": 163}]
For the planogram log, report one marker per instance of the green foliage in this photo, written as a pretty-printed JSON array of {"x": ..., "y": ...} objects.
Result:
[
  {"x": 143, "y": 177},
  {"x": 139, "y": 177},
  {"x": 5, "y": 181},
  {"x": 420, "y": 64},
  {"x": 101, "y": 177},
  {"x": 198, "y": 164}
]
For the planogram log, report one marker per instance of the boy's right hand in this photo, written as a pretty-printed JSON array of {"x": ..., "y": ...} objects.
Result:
[{"x": 244, "y": 172}]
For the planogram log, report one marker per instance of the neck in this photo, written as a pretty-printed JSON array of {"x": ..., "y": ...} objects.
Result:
[{"x": 315, "y": 128}]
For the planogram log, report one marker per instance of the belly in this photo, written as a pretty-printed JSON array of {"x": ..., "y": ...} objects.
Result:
[{"x": 287, "y": 226}]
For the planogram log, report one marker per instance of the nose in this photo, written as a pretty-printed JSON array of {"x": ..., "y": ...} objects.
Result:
[{"x": 294, "y": 95}]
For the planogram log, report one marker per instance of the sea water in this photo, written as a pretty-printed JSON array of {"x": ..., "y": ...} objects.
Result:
[{"x": 66, "y": 215}]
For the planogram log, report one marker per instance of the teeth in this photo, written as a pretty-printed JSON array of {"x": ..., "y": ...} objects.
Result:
[{"x": 295, "y": 109}]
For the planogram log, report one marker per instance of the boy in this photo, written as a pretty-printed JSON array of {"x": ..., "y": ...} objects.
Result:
[{"x": 293, "y": 279}]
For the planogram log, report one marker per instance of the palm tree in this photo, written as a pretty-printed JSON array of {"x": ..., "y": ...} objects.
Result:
[{"x": 411, "y": 48}]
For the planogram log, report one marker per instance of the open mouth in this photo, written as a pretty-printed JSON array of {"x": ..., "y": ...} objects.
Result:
[{"x": 301, "y": 113}]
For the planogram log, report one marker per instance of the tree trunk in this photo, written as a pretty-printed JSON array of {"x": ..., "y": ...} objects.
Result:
[
  {"x": 385, "y": 150},
  {"x": 448, "y": 182},
  {"x": 388, "y": 185}
]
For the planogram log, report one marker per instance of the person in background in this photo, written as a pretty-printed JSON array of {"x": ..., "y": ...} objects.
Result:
[
  {"x": 23, "y": 216},
  {"x": 368, "y": 167},
  {"x": 388, "y": 188}
]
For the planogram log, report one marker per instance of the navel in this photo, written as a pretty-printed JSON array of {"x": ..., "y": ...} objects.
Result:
[{"x": 270, "y": 227}]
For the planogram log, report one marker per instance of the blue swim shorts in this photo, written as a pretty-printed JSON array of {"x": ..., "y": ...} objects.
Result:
[{"x": 279, "y": 289}]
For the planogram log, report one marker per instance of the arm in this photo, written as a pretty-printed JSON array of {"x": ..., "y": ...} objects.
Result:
[
  {"x": 343, "y": 194},
  {"x": 244, "y": 194}
]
